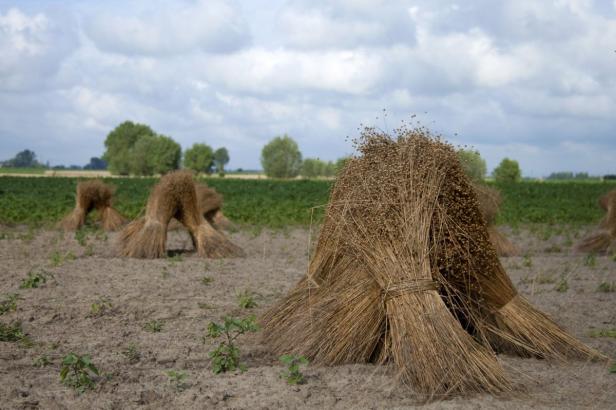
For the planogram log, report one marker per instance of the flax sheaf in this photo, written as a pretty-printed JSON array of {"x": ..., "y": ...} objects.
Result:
[
  {"x": 175, "y": 196},
  {"x": 602, "y": 239},
  {"x": 403, "y": 212},
  {"x": 93, "y": 195}
]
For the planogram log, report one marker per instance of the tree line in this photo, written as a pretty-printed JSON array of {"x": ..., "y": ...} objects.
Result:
[{"x": 135, "y": 149}]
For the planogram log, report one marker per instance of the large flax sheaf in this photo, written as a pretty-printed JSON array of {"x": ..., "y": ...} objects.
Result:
[
  {"x": 174, "y": 196},
  {"x": 404, "y": 272},
  {"x": 603, "y": 239},
  {"x": 489, "y": 204},
  {"x": 91, "y": 195}
]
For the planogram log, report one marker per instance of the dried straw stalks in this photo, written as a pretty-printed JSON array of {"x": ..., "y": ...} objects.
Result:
[
  {"x": 174, "y": 197},
  {"x": 93, "y": 194},
  {"x": 404, "y": 272},
  {"x": 210, "y": 203},
  {"x": 490, "y": 201},
  {"x": 603, "y": 239}
]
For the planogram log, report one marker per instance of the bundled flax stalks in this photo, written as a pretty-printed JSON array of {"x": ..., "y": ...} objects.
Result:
[
  {"x": 603, "y": 239},
  {"x": 404, "y": 272},
  {"x": 209, "y": 202},
  {"x": 210, "y": 206},
  {"x": 174, "y": 196},
  {"x": 93, "y": 194},
  {"x": 489, "y": 204}
]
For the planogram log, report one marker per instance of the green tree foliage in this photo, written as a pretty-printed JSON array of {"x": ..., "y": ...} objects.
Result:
[
  {"x": 281, "y": 158},
  {"x": 563, "y": 176},
  {"x": 136, "y": 149},
  {"x": 474, "y": 166},
  {"x": 96, "y": 163},
  {"x": 221, "y": 158},
  {"x": 119, "y": 144},
  {"x": 313, "y": 167},
  {"x": 154, "y": 154},
  {"x": 507, "y": 171},
  {"x": 23, "y": 159},
  {"x": 199, "y": 158}
]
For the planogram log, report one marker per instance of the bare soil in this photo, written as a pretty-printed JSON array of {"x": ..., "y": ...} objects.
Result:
[{"x": 58, "y": 319}]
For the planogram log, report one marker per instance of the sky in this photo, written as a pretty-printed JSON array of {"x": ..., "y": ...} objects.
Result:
[{"x": 530, "y": 80}]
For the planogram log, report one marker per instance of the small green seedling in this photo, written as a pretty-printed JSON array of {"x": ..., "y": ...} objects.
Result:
[
  {"x": 34, "y": 280},
  {"x": 292, "y": 374},
  {"x": 100, "y": 307},
  {"x": 56, "y": 259},
  {"x": 132, "y": 353},
  {"x": 590, "y": 260},
  {"x": 13, "y": 332},
  {"x": 607, "y": 287},
  {"x": 77, "y": 371},
  {"x": 527, "y": 262},
  {"x": 226, "y": 357},
  {"x": 613, "y": 368},
  {"x": 246, "y": 300},
  {"x": 154, "y": 326},
  {"x": 206, "y": 280},
  {"x": 41, "y": 361},
  {"x": 562, "y": 285},
  {"x": 9, "y": 303},
  {"x": 177, "y": 379}
]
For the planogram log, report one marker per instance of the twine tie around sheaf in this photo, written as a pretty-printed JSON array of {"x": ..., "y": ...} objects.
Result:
[{"x": 416, "y": 285}]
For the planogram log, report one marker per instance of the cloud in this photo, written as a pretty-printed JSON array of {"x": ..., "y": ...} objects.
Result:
[
  {"x": 32, "y": 48},
  {"x": 343, "y": 24},
  {"x": 164, "y": 28}
]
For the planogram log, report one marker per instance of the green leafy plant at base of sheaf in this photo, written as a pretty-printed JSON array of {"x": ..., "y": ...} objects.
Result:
[
  {"x": 77, "y": 371},
  {"x": 292, "y": 374},
  {"x": 226, "y": 356}
]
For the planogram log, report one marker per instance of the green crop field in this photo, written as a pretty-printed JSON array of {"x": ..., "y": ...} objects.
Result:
[{"x": 276, "y": 204}]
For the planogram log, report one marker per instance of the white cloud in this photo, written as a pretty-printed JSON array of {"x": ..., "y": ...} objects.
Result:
[
  {"x": 266, "y": 71},
  {"x": 32, "y": 48},
  {"x": 170, "y": 28}
]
